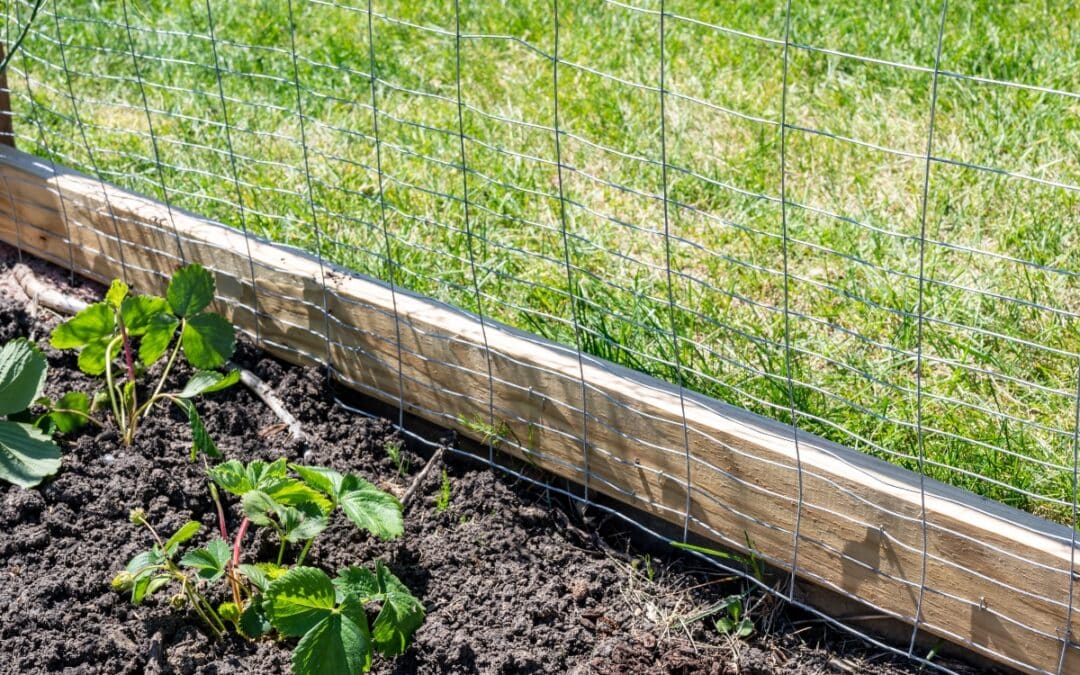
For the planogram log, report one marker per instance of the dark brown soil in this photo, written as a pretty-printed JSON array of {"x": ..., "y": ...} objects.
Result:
[{"x": 511, "y": 580}]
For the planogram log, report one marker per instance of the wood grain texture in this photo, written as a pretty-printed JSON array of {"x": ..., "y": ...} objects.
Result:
[{"x": 996, "y": 579}]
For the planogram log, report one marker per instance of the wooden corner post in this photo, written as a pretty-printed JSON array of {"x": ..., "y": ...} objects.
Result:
[{"x": 7, "y": 129}]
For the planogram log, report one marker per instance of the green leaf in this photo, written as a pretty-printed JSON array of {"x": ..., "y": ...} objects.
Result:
[
  {"x": 200, "y": 440},
  {"x": 235, "y": 477},
  {"x": 253, "y": 621},
  {"x": 144, "y": 563},
  {"x": 370, "y": 508},
  {"x": 262, "y": 574},
  {"x": 359, "y": 582},
  {"x": 211, "y": 562},
  {"x": 259, "y": 507},
  {"x": 95, "y": 323},
  {"x": 208, "y": 381},
  {"x": 400, "y": 616},
  {"x": 189, "y": 530},
  {"x": 191, "y": 290},
  {"x": 66, "y": 422},
  {"x": 401, "y": 612},
  {"x": 146, "y": 586},
  {"x": 117, "y": 292},
  {"x": 157, "y": 337},
  {"x": 324, "y": 480},
  {"x": 209, "y": 340},
  {"x": 295, "y": 493},
  {"x": 365, "y": 505},
  {"x": 22, "y": 375},
  {"x": 302, "y": 522},
  {"x": 140, "y": 311},
  {"x": 27, "y": 455},
  {"x": 92, "y": 357},
  {"x": 299, "y": 600},
  {"x": 338, "y": 645},
  {"x": 231, "y": 476}
]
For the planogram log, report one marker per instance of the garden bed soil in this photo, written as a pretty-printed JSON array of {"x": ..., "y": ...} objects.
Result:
[{"x": 512, "y": 578}]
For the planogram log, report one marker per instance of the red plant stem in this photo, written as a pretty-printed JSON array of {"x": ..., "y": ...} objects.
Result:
[
  {"x": 127, "y": 352},
  {"x": 236, "y": 561},
  {"x": 239, "y": 539},
  {"x": 220, "y": 514}
]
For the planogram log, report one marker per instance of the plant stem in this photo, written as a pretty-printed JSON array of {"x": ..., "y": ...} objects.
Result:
[
  {"x": 169, "y": 365},
  {"x": 281, "y": 552},
  {"x": 118, "y": 408},
  {"x": 233, "y": 581},
  {"x": 156, "y": 396},
  {"x": 88, "y": 418},
  {"x": 129, "y": 433},
  {"x": 127, "y": 350},
  {"x": 304, "y": 551},
  {"x": 239, "y": 539},
  {"x": 220, "y": 511},
  {"x": 154, "y": 534},
  {"x": 199, "y": 604}
]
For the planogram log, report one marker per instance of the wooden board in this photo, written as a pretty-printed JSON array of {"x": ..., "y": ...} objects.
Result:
[{"x": 996, "y": 579}]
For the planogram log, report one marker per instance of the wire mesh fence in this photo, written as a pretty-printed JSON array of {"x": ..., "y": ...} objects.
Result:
[{"x": 857, "y": 220}]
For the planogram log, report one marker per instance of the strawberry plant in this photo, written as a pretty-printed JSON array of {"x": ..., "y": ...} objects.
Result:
[
  {"x": 106, "y": 333},
  {"x": 27, "y": 452},
  {"x": 328, "y": 615}
]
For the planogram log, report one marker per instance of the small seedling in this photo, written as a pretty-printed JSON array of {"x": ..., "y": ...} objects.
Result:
[
  {"x": 152, "y": 570},
  {"x": 735, "y": 623},
  {"x": 328, "y": 615},
  {"x": 645, "y": 565},
  {"x": 27, "y": 452},
  {"x": 492, "y": 433},
  {"x": 735, "y": 620},
  {"x": 105, "y": 333},
  {"x": 394, "y": 451},
  {"x": 442, "y": 502}
]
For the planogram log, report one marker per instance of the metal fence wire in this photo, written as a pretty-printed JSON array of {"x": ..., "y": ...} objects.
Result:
[{"x": 857, "y": 219}]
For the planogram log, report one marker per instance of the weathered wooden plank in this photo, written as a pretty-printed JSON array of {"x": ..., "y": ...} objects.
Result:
[{"x": 996, "y": 579}]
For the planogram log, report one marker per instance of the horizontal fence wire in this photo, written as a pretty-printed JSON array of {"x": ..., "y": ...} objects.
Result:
[{"x": 742, "y": 200}]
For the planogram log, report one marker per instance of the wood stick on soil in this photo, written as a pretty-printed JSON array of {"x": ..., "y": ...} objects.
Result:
[
  {"x": 45, "y": 295},
  {"x": 264, "y": 392},
  {"x": 421, "y": 477},
  {"x": 60, "y": 302}
]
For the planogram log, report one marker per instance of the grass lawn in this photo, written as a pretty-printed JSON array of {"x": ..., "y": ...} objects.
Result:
[{"x": 1001, "y": 291}]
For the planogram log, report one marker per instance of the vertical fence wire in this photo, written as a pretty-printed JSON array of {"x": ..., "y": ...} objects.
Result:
[
  {"x": 240, "y": 209},
  {"x": 788, "y": 362},
  {"x": 86, "y": 142},
  {"x": 676, "y": 346},
  {"x": 391, "y": 264},
  {"x": 310, "y": 189},
  {"x": 571, "y": 288},
  {"x": 1067, "y": 633},
  {"x": 920, "y": 316},
  {"x": 493, "y": 431},
  {"x": 150, "y": 127}
]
